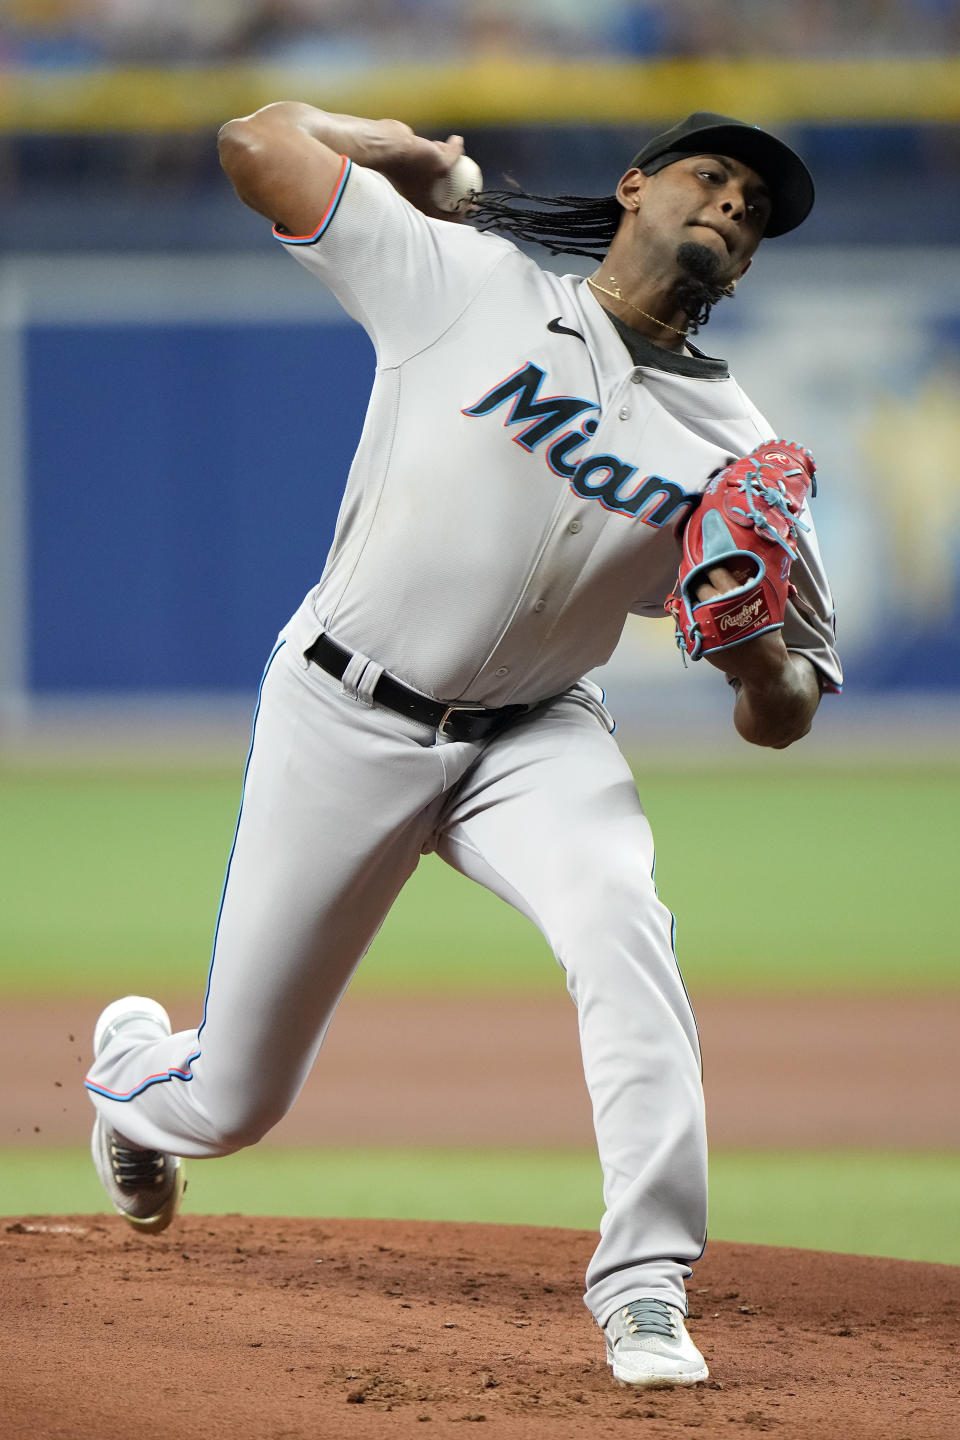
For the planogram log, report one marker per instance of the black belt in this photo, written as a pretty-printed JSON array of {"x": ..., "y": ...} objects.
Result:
[{"x": 457, "y": 722}]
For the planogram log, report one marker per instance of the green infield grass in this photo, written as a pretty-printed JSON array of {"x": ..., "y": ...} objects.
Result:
[
  {"x": 800, "y": 879},
  {"x": 868, "y": 1203}
]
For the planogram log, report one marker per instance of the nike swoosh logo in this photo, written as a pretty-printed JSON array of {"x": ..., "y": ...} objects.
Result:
[{"x": 559, "y": 329}]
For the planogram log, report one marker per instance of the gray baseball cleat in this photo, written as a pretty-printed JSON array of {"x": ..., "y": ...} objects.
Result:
[
  {"x": 648, "y": 1346},
  {"x": 144, "y": 1186}
]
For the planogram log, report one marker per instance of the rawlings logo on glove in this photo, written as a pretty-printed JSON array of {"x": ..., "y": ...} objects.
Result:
[{"x": 747, "y": 522}]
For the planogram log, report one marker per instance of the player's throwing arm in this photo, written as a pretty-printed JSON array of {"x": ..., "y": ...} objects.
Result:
[{"x": 286, "y": 161}]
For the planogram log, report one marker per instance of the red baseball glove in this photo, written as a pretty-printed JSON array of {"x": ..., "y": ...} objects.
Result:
[{"x": 747, "y": 522}]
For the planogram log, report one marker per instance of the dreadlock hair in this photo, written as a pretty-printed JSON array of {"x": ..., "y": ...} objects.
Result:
[
  {"x": 583, "y": 225},
  {"x": 568, "y": 225}
]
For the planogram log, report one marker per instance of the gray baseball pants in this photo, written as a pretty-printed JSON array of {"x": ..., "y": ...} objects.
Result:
[{"x": 340, "y": 799}]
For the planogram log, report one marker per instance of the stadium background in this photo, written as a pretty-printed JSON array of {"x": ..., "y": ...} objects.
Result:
[{"x": 177, "y": 407}]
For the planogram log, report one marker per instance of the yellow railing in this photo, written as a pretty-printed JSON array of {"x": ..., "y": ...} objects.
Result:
[{"x": 489, "y": 92}]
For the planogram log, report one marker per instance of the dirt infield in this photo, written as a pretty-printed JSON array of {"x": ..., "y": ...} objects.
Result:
[
  {"x": 326, "y": 1330},
  {"x": 329, "y": 1329},
  {"x": 844, "y": 1070}
]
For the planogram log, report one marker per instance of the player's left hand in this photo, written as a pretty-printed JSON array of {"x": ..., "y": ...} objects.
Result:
[
  {"x": 742, "y": 540},
  {"x": 777, "y": 690},
  {"x": 754, "y": 660}
]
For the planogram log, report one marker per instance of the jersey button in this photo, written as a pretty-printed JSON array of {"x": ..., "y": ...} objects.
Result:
[
  {"x": 575, "y": 527},
  {"x": 637, "y": 377},
  {"x": 624, "y": 412},
  {"x": 502, "y": 670},
  {"x": 540, "y": 605}
]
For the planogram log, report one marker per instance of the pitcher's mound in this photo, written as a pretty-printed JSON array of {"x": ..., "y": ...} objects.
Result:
[{"x": 317, "y": 1330}]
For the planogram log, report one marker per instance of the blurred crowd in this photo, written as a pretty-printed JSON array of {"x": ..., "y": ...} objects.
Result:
[{"x": 79, "y": 33}]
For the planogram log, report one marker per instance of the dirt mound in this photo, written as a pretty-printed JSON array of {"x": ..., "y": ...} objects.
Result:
[{"x": 323, "y": 1329}]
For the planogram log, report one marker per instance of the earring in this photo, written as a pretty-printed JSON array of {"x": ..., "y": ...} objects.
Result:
[{"x": 730, "y": 289}]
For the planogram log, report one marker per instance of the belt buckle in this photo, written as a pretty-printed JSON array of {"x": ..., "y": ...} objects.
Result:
[{"x": 453, "y": 709}]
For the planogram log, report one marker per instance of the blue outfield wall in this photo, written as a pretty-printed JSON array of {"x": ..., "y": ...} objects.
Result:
[
  {"x": 183, "y": 483},
  {"x": 187, "y": 426}
]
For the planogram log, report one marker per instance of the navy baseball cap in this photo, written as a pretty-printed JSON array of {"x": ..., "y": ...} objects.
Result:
[{"x": 704, "y": 133}]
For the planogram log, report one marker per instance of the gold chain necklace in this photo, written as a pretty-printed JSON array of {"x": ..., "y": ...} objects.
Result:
[{"x": 615, "y": 295}]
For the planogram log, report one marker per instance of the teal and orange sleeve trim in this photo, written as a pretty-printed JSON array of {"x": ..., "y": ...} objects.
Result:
[{"x": 328, "y": 214}]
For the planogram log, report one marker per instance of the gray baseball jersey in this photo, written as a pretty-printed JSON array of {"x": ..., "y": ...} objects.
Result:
[
  {"x": 516, "y": 493},
  {"x": 462, "y": 561}
]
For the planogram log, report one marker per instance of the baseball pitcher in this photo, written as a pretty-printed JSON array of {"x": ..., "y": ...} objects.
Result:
[{"x": 542, "y": 456}]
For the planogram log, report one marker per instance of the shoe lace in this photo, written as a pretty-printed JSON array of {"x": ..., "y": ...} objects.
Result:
[
  {"x": 653, "y": 1317},
  {"x": 136, "y": 1169}
]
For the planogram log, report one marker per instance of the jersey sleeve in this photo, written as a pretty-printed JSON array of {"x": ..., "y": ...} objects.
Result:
[
  {"x": 404, "y": 277},
  {"x": 809, "y": 622}
]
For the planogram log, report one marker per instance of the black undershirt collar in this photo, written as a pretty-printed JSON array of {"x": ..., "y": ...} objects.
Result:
[{"x": 643, "y": 352}]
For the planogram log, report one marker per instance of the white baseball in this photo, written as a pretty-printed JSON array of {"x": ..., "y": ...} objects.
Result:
[{"x": 462, "y": 180}]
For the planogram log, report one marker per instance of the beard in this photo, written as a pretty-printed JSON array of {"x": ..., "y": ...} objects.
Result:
[{"x": 701, "y": 284}]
